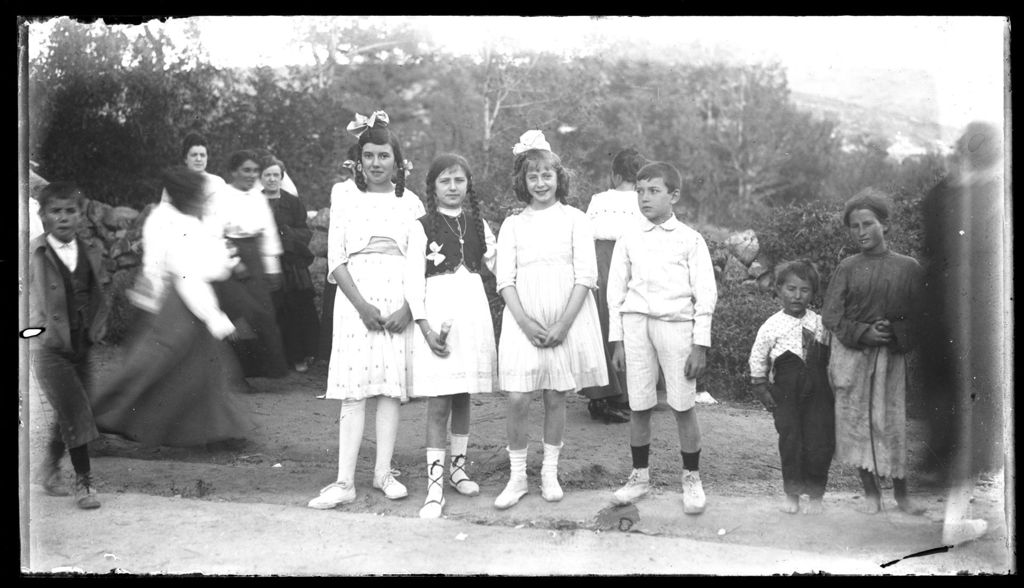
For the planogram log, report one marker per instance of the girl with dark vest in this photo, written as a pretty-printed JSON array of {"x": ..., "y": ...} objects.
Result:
[{"x": 451, "y": 252}]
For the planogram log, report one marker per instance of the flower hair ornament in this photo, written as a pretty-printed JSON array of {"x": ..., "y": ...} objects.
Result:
[
  {"x": 531, "y": 140},
  {"x": 407, "y": 165},
  {"x": 363, "y": 123},
  {"x": 349, "y": 165}
]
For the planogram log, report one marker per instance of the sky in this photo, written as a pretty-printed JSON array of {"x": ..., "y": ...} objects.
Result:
[{"x": 964, "y": 56}]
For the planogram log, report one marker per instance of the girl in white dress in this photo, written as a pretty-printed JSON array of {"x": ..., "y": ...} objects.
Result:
[
  {"x": 367, "y": 244},
  {"x": 551, "y": 336},
  {"x": 448, "y": 251}
]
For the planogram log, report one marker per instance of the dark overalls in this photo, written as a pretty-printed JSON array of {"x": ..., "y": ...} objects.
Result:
[{"x": 804, "y": 418}]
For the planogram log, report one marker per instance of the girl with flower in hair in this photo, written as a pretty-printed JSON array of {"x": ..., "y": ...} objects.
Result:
[
  {"x": 551, "y": 335},
  {"x": 451, "y": 249},
  {"x": 367, "y": 247}
]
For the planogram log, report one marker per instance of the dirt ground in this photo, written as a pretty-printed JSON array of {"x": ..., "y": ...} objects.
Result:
[{"x": 292, "y": 453}]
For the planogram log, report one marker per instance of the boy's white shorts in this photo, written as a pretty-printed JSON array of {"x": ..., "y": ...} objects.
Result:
[{"x": 650, "y": 343}]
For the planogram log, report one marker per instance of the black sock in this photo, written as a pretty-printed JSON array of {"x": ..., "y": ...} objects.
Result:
[
  {"x": 868, "y": 480},
  {"x": 55, "y": 449},
  {"x": 640, "y": 455},
  {"x": 80, "y": 459},
  {"x": 691, "y": 461}
]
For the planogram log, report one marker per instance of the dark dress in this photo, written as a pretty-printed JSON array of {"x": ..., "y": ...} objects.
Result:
[
  {"x": 293, "y": 302},
  {"x": 178, "y": 386},
  {"x": 246, "y": 296}
]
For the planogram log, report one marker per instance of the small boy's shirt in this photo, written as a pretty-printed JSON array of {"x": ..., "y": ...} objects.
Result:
[
  {"x": 662, "y": 271},
  {"x": 66, "y": 252},
  {"x": 779, "y": 334}
]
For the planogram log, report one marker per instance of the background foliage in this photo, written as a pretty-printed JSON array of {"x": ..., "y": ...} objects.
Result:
[{"x": 108, "y": 109}]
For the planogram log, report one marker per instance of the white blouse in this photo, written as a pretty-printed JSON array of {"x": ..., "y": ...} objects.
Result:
[
  {"x": 558, "y": 235},
  {"x": 362, "y": 217},
  {"x": 238, "y": 215},
  {"x": 181, "y": 250},
  {"x": 779, "y": 334},
  {"x": 612, "y": 212}
]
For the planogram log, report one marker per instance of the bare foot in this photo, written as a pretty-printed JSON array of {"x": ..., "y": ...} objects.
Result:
[
  {"x": 871, "y": 505},
  {"x": 910, "y": 507},
  {"x": 814, "y": 507},
  {"x": 792, "y": 504}
]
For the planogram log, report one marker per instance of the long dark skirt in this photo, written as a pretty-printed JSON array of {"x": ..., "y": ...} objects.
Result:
[
  {"x": 615, "y": 390},
  {"x": 327, "y": 321},
  {"x": 178, "y": 385},
  {"x": 300, "y": 327},
  {"x": 247, "y": 297}
]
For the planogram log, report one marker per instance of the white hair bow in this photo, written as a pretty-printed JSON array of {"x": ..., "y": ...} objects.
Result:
[
  {"x": 531, "y": 140},
  {"x": 362, "y": 123}
]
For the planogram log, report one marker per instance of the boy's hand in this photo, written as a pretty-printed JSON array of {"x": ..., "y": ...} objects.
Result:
[
  {"x": 619, "y": 357},
  {"x": 764, "y": 395},
  {"x": 696, "y": 363}
]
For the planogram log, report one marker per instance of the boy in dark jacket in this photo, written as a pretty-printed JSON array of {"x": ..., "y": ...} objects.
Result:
[{"x": 66, "y": 299}]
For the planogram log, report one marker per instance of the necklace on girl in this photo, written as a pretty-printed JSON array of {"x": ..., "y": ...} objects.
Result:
[{"x": 461, "y": 233}]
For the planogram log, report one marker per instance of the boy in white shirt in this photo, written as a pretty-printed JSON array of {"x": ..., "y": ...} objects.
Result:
[{"x": 661, "y": 295}]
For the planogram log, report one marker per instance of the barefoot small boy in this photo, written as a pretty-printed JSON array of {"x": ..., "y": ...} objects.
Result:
[
  {"x": 661, "y": 295},
  {"x": 66, "y": 299},
  {"x": 789, "y": 372}
]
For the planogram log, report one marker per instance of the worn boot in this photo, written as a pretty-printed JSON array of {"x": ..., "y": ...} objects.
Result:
[{"x": 85, "y": 495}]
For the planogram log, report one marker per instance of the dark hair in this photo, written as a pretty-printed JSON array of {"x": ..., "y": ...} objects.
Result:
[
  {"x": 665, "y": 171},
  {"x": 871, "y": 199},
  {"x": 801, "y": 268},
  {"x": 241, "y": 156},
  {"x": 193, "y": 140},
  {"x": 184, "y": 187},
  {"x": 61, "y": 190},
  {"x": 444, "y": 162},
  {"x": 626, "y": 163},
  {"x": 269, "y": 161},
  {"x": 533, "y": 157},
  {"x": 381, "y": 135}
]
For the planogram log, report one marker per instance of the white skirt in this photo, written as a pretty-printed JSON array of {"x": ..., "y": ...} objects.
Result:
[
  {"x": 368, "y": 363},
  {"x": 577, "y": 363},
  {"x": 471, "y": 366}
]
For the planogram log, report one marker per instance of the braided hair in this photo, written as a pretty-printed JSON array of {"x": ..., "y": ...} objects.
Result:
[
  {"x": 381, "y": 135},
  {"x": 440, "y": 164}
]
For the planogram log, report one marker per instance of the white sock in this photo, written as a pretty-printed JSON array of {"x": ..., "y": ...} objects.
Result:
[
  {"x": 351, "y": 422},
  {"x": 550, "y": 463},
  {"x": 517, "y": 462},
  {"x": 435, "y": 473},
  {"x": 387, "y": 432},
  {"x": 458, "y": 445}
]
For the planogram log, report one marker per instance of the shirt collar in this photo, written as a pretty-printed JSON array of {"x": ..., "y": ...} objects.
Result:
[
  {"x": 57, "y": 244},
  {"x": 669, "y": 225}
]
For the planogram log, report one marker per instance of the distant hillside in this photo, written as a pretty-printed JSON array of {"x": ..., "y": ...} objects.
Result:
[{"x": 896, "y": 104}]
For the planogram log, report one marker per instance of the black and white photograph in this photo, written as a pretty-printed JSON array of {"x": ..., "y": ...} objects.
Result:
[{"x": 491, "y": 296}]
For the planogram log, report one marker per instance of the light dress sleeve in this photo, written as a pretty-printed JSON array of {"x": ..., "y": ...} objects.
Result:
[
  {"x": 491, "y": 251},
  {"x": 505, "y": 274},
  {"x": 415, "y": 276},
  {"x": 193, "y": 262},
  {"x": 584, "y": 255},
  {"x": 705, "y": 291},
  {"x": 270, "y": 239},
  {"x": 336, "y": 252},
  {"x": 619, "y": 272}
]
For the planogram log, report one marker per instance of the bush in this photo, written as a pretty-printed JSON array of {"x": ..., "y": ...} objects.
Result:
[
  {"x": 815, "y": 231},
  {"x": 739, "y": 313},
  {"x": 123, "y": 315}
]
